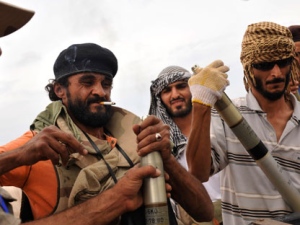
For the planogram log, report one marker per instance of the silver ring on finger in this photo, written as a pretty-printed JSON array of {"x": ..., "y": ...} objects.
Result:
[{"x": 158, "y": 137}]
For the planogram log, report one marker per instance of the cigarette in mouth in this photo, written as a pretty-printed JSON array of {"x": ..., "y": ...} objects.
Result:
[{"x": 107, "y": 103}]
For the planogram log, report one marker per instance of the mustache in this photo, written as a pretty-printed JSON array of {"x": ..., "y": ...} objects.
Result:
[
  {"x": 275, "y": 81},
  {"x": 175, "y": 99},
  {"x": 96, "y": 99}
]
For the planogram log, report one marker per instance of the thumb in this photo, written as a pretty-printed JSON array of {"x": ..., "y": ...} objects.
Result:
[{"x": 196, "y": 69}]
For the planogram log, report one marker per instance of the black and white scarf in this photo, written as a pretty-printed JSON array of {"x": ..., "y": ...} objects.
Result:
[{"x": 169, "y": 75}]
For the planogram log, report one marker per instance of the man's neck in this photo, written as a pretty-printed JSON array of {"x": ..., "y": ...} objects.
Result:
[
  {"x": 184, "y": 123},
  {"x": 278, "y": 112},
  {"x": 272, "y": 107},
  {"x": 96, "y": 132}
]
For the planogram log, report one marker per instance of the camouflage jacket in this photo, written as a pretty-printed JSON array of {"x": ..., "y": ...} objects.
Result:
[{"x": 87, "y": 176}]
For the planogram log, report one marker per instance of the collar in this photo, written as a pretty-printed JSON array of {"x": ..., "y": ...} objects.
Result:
[{"x": 253, "y": 105}]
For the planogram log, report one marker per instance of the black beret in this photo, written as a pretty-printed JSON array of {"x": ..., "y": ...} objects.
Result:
[
  {"x": 86, "y": 57},
  {"x": 295, "y": 30}
]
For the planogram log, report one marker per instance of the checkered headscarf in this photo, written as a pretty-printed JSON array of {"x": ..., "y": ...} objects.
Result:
[
  {"x": 266, "y": 42},
  {"x": 167, "y": 76}
]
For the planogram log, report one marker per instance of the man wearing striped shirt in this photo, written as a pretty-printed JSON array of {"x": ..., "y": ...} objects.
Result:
[{"x": 269, "y": 62}]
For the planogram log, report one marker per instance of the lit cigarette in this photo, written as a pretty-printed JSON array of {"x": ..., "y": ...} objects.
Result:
[{"x": 107, "y": 103}]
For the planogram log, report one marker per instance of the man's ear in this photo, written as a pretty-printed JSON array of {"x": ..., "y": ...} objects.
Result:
[{"x": 59, "y": 90}]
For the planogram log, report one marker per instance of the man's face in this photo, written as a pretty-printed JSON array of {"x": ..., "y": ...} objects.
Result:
[
  {"x": 272, "y": 83},
  {"x": 83, "y": 95},
  {"x": 176, "y": 97}
]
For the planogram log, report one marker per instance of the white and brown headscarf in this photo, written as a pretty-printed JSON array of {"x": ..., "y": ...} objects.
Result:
[
  {"x": 266, "y": 42},
  {"x": 167, "y": 76}
]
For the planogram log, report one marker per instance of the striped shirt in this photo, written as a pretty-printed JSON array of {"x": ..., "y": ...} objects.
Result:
[{"x": 247, "y": 194}]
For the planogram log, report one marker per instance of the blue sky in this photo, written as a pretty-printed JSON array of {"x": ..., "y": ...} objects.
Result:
[{"x": 146, "y": 36}]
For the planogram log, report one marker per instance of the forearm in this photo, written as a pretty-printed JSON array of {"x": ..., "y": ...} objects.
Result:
[
  {"x": 10, "y": 153},
  {"x": 100, "y": 210},
  {"x": 198, "y": 150},
  {"x": 189, "y": 192},
  {"x": 10, "y": 160}
]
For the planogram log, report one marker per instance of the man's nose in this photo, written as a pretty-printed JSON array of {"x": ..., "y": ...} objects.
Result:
[
  {"x": 174, "y": 93},
  {"x": 276, "y": 71},
  {"x": 99, "y": 90}
]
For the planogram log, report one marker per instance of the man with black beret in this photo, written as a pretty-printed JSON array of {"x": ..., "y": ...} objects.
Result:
[
  {"x": 114, "y": 138},
  {"x": 45, "y": 146}
]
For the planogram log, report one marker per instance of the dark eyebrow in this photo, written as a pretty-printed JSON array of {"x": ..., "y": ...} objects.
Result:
[
  {"x": 182, "y": 83},
  {"x": 166, "y": 88},
  {"x": 108, "y": 78},
  {"x": 86, "y": 76}
]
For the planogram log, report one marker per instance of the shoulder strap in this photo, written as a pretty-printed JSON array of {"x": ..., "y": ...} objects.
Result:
[
  {"x": 111, "y": 172},
  {"x": 121, "y": 150}
]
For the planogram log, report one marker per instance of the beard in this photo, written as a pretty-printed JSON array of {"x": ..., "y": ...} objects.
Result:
[
  {"x": 81, "y": 112},
  {"x": 271, "y": 95},
  {"x": 180, "y": 112}
]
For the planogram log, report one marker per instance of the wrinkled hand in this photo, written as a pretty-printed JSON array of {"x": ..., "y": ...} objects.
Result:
[
  {"x": 51, "y": 143},
  {"x": 146, "y": 137},
  {"x": 130, "y": 185},
  {"x": 208, "y": 84}
]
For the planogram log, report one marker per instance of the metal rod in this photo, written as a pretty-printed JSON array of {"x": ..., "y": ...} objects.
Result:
[{"x": 154, "y": 192}]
